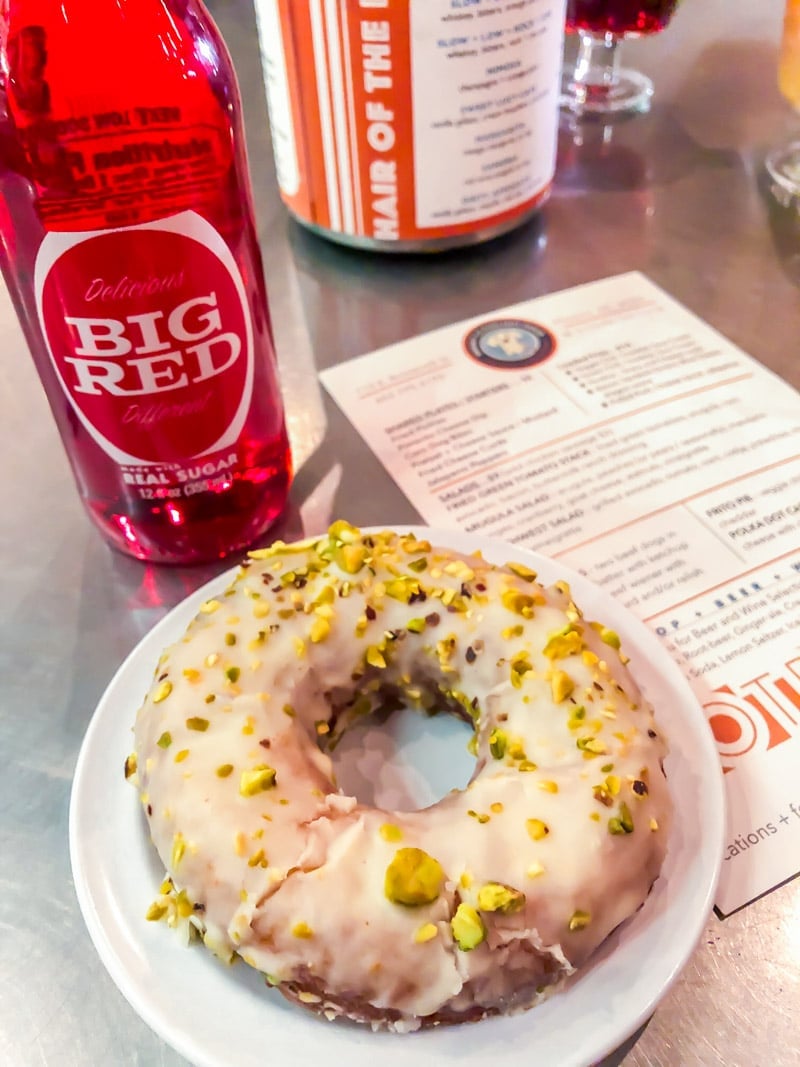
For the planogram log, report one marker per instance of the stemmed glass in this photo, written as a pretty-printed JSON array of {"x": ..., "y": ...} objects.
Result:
[
  {"x": 783, "y": 162},
  {"x": 597, "y": 84}
]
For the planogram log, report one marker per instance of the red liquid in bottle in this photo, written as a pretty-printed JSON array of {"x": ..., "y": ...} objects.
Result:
[
  {"x": 128, "y": 245},
  {"x": 620, "y": 17}
]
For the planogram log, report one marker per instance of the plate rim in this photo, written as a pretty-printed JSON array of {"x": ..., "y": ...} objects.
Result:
[{"x": 169, "y": 627}]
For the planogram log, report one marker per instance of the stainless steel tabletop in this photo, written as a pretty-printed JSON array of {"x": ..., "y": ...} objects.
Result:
[{"x": 677, "y": 194}]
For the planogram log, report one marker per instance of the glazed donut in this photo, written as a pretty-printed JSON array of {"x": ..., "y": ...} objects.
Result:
[{"x": 479, "y": 904}]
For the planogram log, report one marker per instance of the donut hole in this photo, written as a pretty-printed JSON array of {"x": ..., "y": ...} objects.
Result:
[{"x": 401, "y": 760}]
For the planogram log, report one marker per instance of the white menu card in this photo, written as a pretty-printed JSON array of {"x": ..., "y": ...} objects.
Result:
[{"x": 609, "y": 428}]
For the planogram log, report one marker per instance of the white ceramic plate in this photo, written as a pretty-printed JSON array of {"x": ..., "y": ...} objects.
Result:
[{"x": 218, "y": 1016}]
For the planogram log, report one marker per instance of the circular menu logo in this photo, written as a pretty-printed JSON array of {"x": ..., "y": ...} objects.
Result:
[{"x": 510, "y": 344}]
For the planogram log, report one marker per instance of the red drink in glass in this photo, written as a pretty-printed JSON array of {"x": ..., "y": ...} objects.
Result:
[
  {"x": 128, "y": 245},
  {"x": 620, "y": 17},
  {"x": 595, "y": 83}
]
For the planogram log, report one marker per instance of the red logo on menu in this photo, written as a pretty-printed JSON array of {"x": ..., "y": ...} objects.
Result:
[
  {"x": 148, "y": 332},
  {"x": 756, "y": 716}
]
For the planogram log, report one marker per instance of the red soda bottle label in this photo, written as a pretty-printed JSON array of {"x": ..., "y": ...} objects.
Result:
[{"x": 149, "y": 332}]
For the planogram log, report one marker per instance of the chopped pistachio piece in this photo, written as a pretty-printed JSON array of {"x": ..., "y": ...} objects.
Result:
[
  {"x": 426, "y": 932},
  {"x": 413, "y": 878},
  {"x": 563, "y": 643},
  {"x": 257, "y": 780},
  {"x": 156, "y": 912},
  {"x": 609, "y": 637},
  {"x": 503, "y": 898},
  {"x": 519, "y": 603},
  {"x": 579, "y": 920},
  {"x": 303, "y": 931},
  {"x": 459, "y": 569},
  {"x": 165, "y": 740},
  {"x": 402, "y": 589},
  {"x": 498, "y": 743},
  {"x": 183, "y": 905},
  {"x": 516, "y": 750},
  {"x": 131, "y": 763},
  {"x": 224, "y": 770},
  {"x": 621, "y": 823},
  {"x": 523, "y": 572},
  {"x": 197, "y": 723},
  {"x": 375, "y": 657},
  {"x": 178, "y": 849},
  {"x": 162, "y": 692},
  {"x": 520, "y": 666},
  {"x": 390, "y": 832},
  {"x": 344, "y": 532},
  {"x": 562, "y": 686},
  {"x": 320, "y": 629},
  {"x": 467, "y": 926},
  {"x": 537, "y": 829},
  {"x": 592, "y": 745},
  {"x": 265, "y": 553},
  {"x": 350, "y": 557},
  {"x": 577, "y": 717}
]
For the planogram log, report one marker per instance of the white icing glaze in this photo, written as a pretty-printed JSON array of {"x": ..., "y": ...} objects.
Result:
[{"x": 292, "y": 877}]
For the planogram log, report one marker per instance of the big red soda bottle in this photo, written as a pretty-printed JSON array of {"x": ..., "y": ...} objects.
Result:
[{"x": 128, "y": 245}]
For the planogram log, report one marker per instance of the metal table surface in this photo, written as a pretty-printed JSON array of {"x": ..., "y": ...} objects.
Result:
[{"x": 677, "y": 194}]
